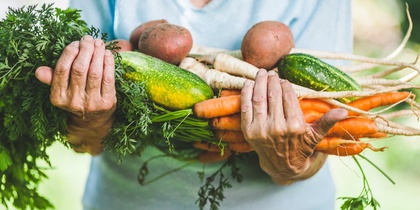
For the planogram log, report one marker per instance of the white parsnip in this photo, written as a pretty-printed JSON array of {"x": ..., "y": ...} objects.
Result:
[
  {"x": 229, "y": 64},
  {"x": 214, "y": 78}
]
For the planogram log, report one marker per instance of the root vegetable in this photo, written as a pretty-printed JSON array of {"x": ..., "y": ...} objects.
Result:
[
  {"x": 229, "y": 122},
  {"x": 229, "y": 136},
  {"x": 214, "y": 78},
  {"x": 124, "y": 45},
  {"x": 354, "y": 128},
  {"x": 136, "y": 33},
  {"x": 168, "y": 42},
  {"x": 349, "y": 149},
  {"x": 381, "y": 99},
  {"x": 217, "y": 107},
  {"x": 266, "y": 42},
  {"x": 234, "y": 66}
]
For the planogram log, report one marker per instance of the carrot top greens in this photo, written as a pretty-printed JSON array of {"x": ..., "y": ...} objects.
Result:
[{"x": 33, "y": 36}]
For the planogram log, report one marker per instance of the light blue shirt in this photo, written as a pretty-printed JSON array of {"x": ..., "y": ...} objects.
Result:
[{"x": 316, "y": 24}]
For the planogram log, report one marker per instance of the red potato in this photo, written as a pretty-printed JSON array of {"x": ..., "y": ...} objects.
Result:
[
  {"x": 124, "y": 45},
  {"x": 266, "y": 42},
  {"x": 168, "y": 42},
  {"x": 136, "y": 33}
]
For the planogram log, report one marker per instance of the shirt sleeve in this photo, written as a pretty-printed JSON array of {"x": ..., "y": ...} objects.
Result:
[{"x": 97, "y": 13}]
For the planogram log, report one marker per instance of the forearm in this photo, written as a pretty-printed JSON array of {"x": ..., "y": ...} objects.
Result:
[{"x": 85, "y": 135}]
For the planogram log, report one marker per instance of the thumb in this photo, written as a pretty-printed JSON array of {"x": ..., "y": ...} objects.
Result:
[
  {"x": 44, "y": 74},
  {"x": 327, "y": 121}
]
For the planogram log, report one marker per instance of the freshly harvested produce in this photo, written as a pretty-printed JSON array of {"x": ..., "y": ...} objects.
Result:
[
  {"x": 354, "y": 127},
  {"x": 136, "y": 33},
  {"x": 229, "y": 136},
  {"x": 266, "y": 42},
  {"x": 228, "y": 122},
  {"x": 381, "y": 99},
  {"x": 35, "y": 36},
  {"x": 311, "y": 72},
  {"x": 343, "y": 147},
  {"x": 214, "y": 78},
  {"x": 350, "y": 149},
  {"x": 217, "y": 107},
  {"x": 167, "y": 85},
  {"x": 168, "y": 42},
  {"x": 123, "y": 45}
]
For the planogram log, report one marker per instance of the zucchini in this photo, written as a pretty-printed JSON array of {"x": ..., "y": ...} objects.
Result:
[
  {"x": 311, "y": 72},
  {"x": 167, "y": 85}
]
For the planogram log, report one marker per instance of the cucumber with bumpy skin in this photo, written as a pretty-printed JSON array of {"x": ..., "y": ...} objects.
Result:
[
  {"x": 311, "y": 72},
  {"x": 167, "y": 85}
]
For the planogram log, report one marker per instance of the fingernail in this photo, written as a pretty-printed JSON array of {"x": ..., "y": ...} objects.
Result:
[
  {"x": 262, "y": 72},
  {"x": 99, "y": 42},
  {"x": 248, "y": 82},
  {"x": 271, "y": 73},
  {"x": 87, "y": 38},
  {"x": 75, "y": 43}
]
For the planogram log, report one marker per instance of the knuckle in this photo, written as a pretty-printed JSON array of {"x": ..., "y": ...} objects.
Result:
[
  {"x": 258, "y": 99},
  {"x": 79, "y": 69},
  {"x": 296, "y": 128},
  {"x": 246, "y": 107},
  {"x": 274, "y": 94},
  {"x": 95, "y": 74}
]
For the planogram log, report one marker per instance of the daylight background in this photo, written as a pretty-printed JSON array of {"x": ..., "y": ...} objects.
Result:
[{"x": 379, "y": 26}]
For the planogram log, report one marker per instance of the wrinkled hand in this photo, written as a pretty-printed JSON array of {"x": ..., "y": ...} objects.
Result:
[
  {"x": 83, "y": 84},
  {"x": 272, "y": 122}
]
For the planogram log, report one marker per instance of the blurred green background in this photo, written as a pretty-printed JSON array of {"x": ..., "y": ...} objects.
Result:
[{"x": 379, "y": 26}]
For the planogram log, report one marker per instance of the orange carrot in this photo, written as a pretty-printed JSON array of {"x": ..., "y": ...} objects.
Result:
[
  {"x": 229, "y": 92},
  {"x": 212, "y": 157},
  {"x": 222, "y": 106},
  {"x": 217, "y": 107},
  {"x": 350, "y": 149},
  {"x": 353, "y": 128},
  {"x": 315, "y": 104},
  {"x": 229, "y": 136},
  {"x": 240, "y": 147},
  {"x": 206, "y": 146},
  {"x": 377, "y": 135},
  {"x": 381, "y": 99},
  {"x": 328, "y": 143},
  {"x": 229, "y": 122}
]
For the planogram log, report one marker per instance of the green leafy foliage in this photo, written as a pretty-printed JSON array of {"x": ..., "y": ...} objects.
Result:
[
  {"x": 365, "y": 198},
  {"x": 34, "y": 36},
  {"x": 211, "y": 193}
]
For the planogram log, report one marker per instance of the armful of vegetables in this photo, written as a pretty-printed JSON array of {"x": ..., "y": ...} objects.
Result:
[{"x": 35, "y": 37}]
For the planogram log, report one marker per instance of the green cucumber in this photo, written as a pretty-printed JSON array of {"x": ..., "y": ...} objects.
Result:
[
  {"x": 311, "y": 72},
  {"x": 167, "y": 85}
]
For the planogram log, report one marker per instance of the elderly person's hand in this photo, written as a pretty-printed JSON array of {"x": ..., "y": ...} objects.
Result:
[
  {"x": 83, "y": 84},
  {"x": 273, "y": 124}
]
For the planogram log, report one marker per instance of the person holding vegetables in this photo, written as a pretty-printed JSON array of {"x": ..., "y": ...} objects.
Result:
[{"x": 284, "y": 173}]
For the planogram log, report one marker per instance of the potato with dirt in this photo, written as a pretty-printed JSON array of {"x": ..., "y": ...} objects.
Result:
[
  {"x": 266, "y": 42},
  {"x": 168, "y": 42},
  {"x": 136, "y": 33}
]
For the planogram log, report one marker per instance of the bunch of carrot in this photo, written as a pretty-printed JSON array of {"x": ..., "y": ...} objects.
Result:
[
  {"x": 343, "y": 139},
  {"x": 348, "y": 137},
  {"x": 369, "y": 117}
]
